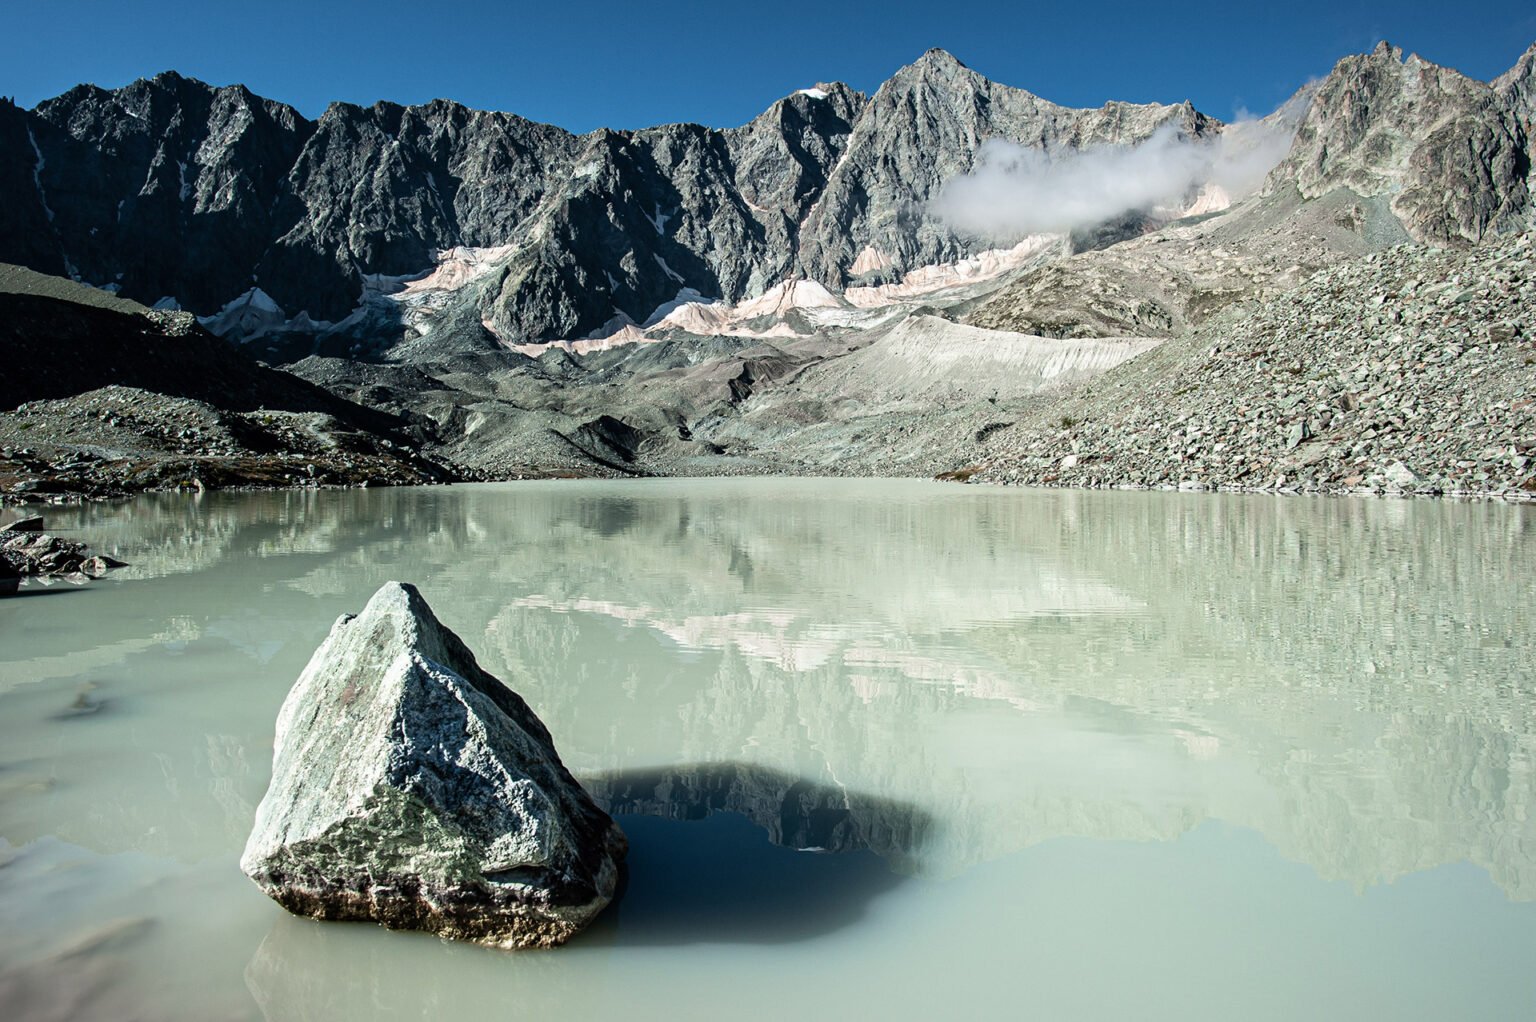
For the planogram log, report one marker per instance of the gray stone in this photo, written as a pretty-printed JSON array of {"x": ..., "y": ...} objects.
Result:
[
  {"x": 412, "y": 788},
  {"x": 1401, "y": 476}
]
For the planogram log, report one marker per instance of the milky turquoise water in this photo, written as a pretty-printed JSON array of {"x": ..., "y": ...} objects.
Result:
[{"x": 883, "y": 750}]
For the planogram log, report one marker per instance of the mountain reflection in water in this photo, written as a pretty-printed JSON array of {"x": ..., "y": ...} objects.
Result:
[
  {"x": 937, "y": 683},
  {"x": 1354, "y": 679}
]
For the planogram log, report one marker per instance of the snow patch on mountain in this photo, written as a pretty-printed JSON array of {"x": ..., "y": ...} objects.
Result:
[
  {"x": 253, "y": 314},
  {"x": 1212, "y": 198},
  {"x": 714, "y": 318},
  {"x": 685, "y": 297},
  {"x": 868, "y": 260},
  {"x": 929, "y": 281},
  {"x": 659, "y": 219},
  {"x": 455, "y": 268},
  {"x": 669, "y": 271},
  {"x": 412, "y": 300},
  {"x": 624, "y": 336},
  {"x": 37, "y": 174}
]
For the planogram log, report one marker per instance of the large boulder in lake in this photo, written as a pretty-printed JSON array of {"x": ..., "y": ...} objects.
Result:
[{"x": 412, "y": 788}]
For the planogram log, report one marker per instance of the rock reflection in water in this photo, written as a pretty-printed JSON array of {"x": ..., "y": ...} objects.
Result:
[
  {"x": 795, "y": 812},
  {"x": 719, "y": 880},
  {"x": 1354, "y": 679},
  {"x": 737, "y": 852}
]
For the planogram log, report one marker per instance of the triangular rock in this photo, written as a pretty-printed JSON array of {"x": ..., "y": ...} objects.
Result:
[{"x": 412, "y": 788}]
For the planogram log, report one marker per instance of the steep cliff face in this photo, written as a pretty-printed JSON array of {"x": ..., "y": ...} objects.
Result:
[
  {"x": 165, "y": 187},
  {"x": 27, "y": 235},
  {"x": 1518, "y": 88},
  {"x": 171, "y": 188},
  {"x": 1453, "y": 154},
  {"x": 380, "y": 190}
]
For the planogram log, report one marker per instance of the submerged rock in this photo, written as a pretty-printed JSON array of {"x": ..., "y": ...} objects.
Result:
[{"x": 412, "y": 788}]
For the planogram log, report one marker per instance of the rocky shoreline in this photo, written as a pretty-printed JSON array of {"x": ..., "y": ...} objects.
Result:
[{"x": 29, "y": 552}]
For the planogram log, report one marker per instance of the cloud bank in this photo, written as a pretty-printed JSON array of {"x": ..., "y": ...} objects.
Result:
[{"x": 1016, "y": 191}]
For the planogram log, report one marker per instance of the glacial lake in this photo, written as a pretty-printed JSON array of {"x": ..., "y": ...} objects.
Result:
[{"x": 883, "y": 750}]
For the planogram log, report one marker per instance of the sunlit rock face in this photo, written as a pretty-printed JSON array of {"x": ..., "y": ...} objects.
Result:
[
  {"x": 1451, "y": 152},
  {"x": 411, "y": 788}
]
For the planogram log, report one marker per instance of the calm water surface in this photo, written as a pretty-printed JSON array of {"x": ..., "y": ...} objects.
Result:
[{"x": 883, "y": 750}]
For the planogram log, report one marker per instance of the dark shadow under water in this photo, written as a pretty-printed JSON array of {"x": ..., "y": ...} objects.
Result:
[
  {"x": 720, "y": 880},
  {"x": 731, "y": 852}
]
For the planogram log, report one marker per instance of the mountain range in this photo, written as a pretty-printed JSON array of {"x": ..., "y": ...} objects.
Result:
[
  {"x": 791, "y": 294},
  {"x": 170, "y": 188}
]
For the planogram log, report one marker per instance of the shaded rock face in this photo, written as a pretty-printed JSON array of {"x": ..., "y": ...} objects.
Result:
[
  {"x": 412, "y": 788},
  {"x": 1453, "y": 153},
  {"x": 165, "y": 187}
]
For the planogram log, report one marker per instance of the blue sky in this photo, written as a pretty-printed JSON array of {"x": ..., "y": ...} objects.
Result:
[{"x": 630, "y": 64}]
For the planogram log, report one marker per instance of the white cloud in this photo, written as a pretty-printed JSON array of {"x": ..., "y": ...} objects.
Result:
[{"x": 1015, "y": 190}]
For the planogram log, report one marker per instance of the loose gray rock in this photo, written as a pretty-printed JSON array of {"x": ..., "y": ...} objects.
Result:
[
  {"x": 1401, "y": 476},
  {"x": 411, "y": 788},
  {"x": 1423, "y": 402}
]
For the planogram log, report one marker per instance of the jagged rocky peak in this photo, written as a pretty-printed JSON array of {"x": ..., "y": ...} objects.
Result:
[
  {"x": 173, "y": 188},
  {"x": 1518, "y": 87},
  {"x": 781, "y": 160},
  {"x": 164, "y": 187},
  {"x": 1453, "y": 153},
  {"x": 938, "y": 63},
  {"x": 924, "y": 126}
]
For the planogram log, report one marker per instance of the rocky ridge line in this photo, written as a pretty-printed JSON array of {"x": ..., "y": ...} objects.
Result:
[{"x": 138, "y": 188}]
